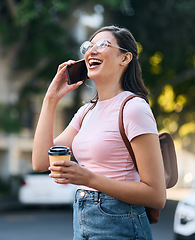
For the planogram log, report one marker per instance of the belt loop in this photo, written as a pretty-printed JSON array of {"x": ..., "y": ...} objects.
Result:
[
  {"x": 95, "y": 193},
  {"x": 97, "y": 197}
]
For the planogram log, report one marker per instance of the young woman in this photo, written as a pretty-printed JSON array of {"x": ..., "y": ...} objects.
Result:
[{"x": 109, "y": 203}]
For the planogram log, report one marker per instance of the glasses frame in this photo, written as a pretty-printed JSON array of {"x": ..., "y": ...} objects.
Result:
[{"x": 95, "y": 45}]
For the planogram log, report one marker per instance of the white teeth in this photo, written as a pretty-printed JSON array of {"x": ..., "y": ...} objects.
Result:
[{"x": 93, "y": 61}]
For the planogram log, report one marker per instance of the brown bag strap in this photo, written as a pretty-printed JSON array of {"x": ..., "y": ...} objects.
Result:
[
  {"x": 121, "y": 126},
  {"x": 122, "y": 129},
  {"x": 90, "y": 108}
]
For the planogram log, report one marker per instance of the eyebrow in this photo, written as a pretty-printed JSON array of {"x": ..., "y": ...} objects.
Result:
[
  {"x": 112, "y": 45},
  {"x": 101, "y": 40}
]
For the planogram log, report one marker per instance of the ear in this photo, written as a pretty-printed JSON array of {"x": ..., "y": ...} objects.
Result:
[{"x": 126, "y": 58}]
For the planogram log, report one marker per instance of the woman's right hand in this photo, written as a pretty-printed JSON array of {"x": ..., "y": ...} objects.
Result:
[{"x": 59, "y": 87}]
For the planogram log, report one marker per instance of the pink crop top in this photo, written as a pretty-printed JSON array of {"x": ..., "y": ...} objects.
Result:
[{"x": 98, "y": 146}]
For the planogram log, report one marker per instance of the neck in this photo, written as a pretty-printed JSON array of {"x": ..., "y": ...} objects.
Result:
[{"x": 108, "y": 91}]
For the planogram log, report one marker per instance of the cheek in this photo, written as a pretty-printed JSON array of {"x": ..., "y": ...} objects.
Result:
[
  {"x": 86, "y": 57},
  {"x": 113, "y": 62},
  {"x": 111, "y": 56}
]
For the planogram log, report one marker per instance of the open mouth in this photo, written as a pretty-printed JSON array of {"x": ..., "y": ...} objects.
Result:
[{"x": 95, "y": 62}]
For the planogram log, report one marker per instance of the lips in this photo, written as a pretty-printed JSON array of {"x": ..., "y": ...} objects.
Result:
[{"x": 94, "y": 62}]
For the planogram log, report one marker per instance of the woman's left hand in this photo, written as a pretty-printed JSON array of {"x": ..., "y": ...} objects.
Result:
[{"x": 71, "y": 172}]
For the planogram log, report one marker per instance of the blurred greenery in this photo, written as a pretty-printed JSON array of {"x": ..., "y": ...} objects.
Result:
[
  {"x": 166, "y": 35},
  {"x": 40, "y": 34}
]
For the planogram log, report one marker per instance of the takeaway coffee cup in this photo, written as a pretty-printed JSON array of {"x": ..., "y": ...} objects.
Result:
[{"x": 58, "y": 153}]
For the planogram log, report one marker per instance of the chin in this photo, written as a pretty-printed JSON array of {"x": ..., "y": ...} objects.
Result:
[{"x": 93, "y": 76}]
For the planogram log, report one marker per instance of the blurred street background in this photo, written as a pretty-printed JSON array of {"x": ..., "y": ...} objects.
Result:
[
  {"x": 21, "y": 222},
  {"x": 35, "y": 37},
  {"x": 56, "y": 223}
]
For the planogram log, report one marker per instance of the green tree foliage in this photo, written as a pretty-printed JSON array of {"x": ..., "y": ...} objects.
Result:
[
  {"x": 39, "y": 28},
  {"x": 35, "y": 37},
  {"x": 38, "y": 36},
  {"x": 166, "y": 39}
]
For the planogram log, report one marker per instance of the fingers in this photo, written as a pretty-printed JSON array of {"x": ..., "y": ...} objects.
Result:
[
  {"x": 61, "y": 181},
  {"x": 59, "y": 176},
  {"x": 65, "y": 64},
  {"x": 62, "y": 176},
  {"x": 75, "y": 85},
  {"x": 62, "y": 167},
  {"x": 69, "y": 172},
  {"x": 61, "y": 74},
  {"x": 63, "y": 163}
]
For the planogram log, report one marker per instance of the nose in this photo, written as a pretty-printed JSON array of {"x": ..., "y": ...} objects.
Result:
[{"x": 93, "y": 49}]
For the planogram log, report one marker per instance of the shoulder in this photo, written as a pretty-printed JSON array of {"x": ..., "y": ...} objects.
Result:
[
  {"x": 137, "y": 106},
  {"x": 83, "y": 109},
  {"x": 138, "y": 118},
  {"x": 79, "y": 115},
  {"x": 138, "y": 111}
]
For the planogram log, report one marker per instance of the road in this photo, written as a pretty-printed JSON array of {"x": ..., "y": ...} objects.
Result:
[
  {"x": 164, "y": 229},
  {"x": 56, "y": 223},
  {"x": 36, "y": 223}
]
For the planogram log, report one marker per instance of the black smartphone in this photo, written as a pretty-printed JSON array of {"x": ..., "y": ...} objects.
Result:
[{"x": 76, "y": 72}]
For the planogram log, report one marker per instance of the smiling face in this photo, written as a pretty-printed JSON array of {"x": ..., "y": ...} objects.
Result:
[{"x": 107, "y": 65}]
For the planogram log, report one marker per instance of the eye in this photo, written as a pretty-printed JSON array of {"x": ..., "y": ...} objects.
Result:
[
  {"x": 85, "y": 47},
  {"x": 102, "y": 44}
]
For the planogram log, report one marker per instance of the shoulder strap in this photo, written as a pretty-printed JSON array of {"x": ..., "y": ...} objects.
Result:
[
  {"x": 121, "y": 126},
  {"x": 90, "y": 108},
  {"x": 122, "y": 129}
]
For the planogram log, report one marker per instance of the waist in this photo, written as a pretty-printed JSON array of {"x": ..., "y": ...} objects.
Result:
[
  {"x": 91, "y": 195},
  {"x": 97, "y": 197}
]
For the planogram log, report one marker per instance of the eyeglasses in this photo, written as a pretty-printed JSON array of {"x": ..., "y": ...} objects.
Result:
[{"x": 99, "y": 46}]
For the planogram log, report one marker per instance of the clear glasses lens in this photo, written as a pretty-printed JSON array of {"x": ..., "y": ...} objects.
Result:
[
  {"x": 85, "y": 47},
  {"x": 100, "y": 46}
]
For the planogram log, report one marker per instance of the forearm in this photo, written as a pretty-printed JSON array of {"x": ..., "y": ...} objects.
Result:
[
  {"x": 151, "y": 192},
  {"x": 137, "y": 193},
  {"x": 43, "y": 138}
]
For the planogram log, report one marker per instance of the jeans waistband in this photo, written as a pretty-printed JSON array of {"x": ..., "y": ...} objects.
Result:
[
  {"x": 98, "y": 196},
  {"x": 91, "y": 195}
]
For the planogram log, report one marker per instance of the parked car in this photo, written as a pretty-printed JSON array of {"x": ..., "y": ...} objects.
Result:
[
  {"x": 40, "y": 189},
  {"x": 184, "y": 220}
]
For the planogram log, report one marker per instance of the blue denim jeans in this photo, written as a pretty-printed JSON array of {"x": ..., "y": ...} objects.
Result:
[{"x": 98, "y": 216}]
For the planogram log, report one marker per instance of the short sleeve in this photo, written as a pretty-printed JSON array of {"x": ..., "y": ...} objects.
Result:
[
  {"x": 138, "y": 118},
  {"x": 76, "y": 120}
]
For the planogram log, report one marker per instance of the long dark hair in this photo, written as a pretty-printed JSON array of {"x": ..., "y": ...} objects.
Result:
[{"x": 132, "y": 78}]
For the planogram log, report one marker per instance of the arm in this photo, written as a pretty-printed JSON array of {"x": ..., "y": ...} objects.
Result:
[
  {"x": 43, "y": 138},
  {"x": 149, "y": 192}
]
